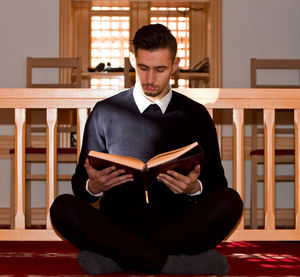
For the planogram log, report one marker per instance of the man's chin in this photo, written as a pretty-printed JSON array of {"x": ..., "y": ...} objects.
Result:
[{"x": 151, "y": 93}]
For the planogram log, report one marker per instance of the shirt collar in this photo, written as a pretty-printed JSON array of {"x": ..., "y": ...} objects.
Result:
[{"x": 143, "y": 103}]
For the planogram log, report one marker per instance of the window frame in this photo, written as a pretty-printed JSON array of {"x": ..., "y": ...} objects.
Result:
[{"x": 205, "y": 26}]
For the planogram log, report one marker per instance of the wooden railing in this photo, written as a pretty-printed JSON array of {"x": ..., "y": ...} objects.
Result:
[{"x": 82, "y": 99}]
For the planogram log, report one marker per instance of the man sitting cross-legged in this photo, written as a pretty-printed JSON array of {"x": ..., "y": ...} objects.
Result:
[{"x": 187, "y": 215}]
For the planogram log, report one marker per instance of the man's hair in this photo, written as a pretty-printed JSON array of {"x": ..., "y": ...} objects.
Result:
[{"x": 153, "y": 37}]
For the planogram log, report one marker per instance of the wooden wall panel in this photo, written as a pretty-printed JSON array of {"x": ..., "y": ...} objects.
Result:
[
  {"x": 65, "y": 37},
  {"x": 214, "y": 42},
  {"x": 139, "y": 16},
  {"x": 81, "y": 11}
]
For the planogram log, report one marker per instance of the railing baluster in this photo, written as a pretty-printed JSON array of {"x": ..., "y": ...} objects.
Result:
[
  {"x": 238, "y": 163},
  {"x": 82, "y": 115},
  {"x": 269, "y": 168},
  {"x": 218, "y": 128},
  {"x": 297, "y": 169},
  {"x": 51, "y": 161},
  {"x": 19, "y": 190}
]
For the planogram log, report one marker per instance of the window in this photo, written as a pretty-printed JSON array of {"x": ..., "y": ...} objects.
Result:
[
  {"x": 109, "y": 44},
  {"x": 179, "y": 26},
  {"x": 110, "y": 33},
  {"x": 202, "y": 19},
  {"x": 178, "y": 23}
]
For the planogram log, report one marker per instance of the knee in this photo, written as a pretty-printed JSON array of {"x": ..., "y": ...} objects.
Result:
[
  {"x": 228, "y": 201},
  {"x": 232, "y": 202},
  {"x": 60, "y": 207},
  {"x": 60, "y": 202}
]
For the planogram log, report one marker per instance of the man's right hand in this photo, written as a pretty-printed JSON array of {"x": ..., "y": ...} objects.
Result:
[{"x": 105, "y": 179}]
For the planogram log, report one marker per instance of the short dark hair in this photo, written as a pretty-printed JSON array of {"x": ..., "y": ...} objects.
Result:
[{"x": 154, "y": 36}]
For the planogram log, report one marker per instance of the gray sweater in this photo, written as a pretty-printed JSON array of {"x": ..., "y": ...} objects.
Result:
[{"x": 116, "y": 126}]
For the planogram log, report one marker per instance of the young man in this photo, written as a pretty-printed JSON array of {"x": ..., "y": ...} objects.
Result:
[{"x": 188, "y": 215}]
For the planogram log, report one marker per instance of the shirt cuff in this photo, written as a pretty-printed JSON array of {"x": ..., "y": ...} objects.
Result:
[
  {"x": 87, "y": 189},
  {"x": 199, "y": 191}
]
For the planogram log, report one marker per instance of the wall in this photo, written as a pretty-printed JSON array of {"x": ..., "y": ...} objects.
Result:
[
  {"x": 251, "y": 28},
  {"x": 257, "y": 29},
  {"x": 27, "y": 28},
  {"x": 263, "y": 29}
]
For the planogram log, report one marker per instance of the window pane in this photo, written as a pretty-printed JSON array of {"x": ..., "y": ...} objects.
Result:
[
  {"x": 179, "y": 27},
  {"x": 98, "y": 8},
  {"x": 109, "y": 44}
]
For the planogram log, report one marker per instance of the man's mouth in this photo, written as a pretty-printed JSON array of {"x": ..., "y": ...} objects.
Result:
[{"x": 150, "y": 87}]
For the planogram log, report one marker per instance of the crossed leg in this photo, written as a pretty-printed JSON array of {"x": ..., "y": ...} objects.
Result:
[{"x": 197, "y": 228}]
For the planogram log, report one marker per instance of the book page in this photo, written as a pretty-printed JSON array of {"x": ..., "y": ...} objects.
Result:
[
  {"x": 171, "y": 155},
  {"x": 118, "y": 159}
]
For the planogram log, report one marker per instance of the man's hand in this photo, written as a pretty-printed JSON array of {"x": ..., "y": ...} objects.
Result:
[
  {"x": 179, "y": 183},
  {"x": 103, "y": 180}
]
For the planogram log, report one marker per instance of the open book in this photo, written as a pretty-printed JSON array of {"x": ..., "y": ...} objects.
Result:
[{"x": 182, "y": 160}]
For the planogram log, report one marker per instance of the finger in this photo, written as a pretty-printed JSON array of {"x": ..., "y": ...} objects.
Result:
[
  {"x": 175, "y": 174},
  {"x": 118, "y": 181},
  {"x": 122, "y": 181},
  {"x": 115, "y": 177},
  {"x": 177, "y": 179},
  {"x": 196, "y": 172},
  {"x": 184, "y": 180},
  {"x": 111, "y": 171},
  {"x": 107, "y": 176},
  {"x": 175, "y": 189},
  {"x": 171, "y": 183}
]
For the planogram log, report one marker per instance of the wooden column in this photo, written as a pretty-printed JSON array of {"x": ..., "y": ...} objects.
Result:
[
  {"x": 214, "y": 42},
  {"x": 81, "y": 11},
  {"x": 19, "y": 190},
  {"x": 51, "y": 162},
  {"x": 82, "y": 115},
  {"x": 297, "y": 169},
  {"x": 139, "y": 16},
  {"x": 65, "y": 37},
  {"x": 198, "y": 33},
  {"x": 269, "y": 169},
  {"x": 238, "y": 163},
  {"x": 198, "y": 39}
]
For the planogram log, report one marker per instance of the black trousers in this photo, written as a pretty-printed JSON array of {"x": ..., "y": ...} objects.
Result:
[{"x": 141, "y": 236}]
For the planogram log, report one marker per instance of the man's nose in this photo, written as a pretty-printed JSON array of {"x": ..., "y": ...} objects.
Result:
[{"x": 151, "y": 77}]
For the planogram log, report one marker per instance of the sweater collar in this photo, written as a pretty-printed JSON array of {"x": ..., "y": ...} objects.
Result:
[{"x": 143, "y": 103}]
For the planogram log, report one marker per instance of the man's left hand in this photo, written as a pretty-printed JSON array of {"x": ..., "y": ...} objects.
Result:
[{"x": 179, "y": 183}]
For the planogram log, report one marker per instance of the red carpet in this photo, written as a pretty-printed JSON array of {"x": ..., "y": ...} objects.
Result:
[{"x": 59, "y": 259}]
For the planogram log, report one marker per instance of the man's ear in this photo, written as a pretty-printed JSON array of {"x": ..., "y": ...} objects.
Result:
[
  {"x": 132, "y": 59},
  {"x": 176, "y": 64}
]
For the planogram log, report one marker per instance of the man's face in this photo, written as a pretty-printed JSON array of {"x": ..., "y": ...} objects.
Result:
[{"x": 153, "y": 72}]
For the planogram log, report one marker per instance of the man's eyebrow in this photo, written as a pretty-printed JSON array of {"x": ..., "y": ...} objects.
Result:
[
  {"x": 141, "y": 64},
  {"x": 159, "y": 66}
]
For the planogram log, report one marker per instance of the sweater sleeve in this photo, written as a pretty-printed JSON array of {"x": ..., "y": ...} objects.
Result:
[
  {"x": 212, "y": 174},
  {"x": 92, "y": 140}
]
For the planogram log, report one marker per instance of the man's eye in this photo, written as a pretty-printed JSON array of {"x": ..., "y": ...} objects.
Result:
[
  {"x": 143, "y": 68},
  {"x": 160, "y": 70}
]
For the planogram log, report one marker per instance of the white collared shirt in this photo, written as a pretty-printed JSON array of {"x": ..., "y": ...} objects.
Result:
[{"x": 143, "y": 103}]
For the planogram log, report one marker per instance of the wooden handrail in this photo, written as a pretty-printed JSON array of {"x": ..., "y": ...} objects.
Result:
[{"x": 83, "y": 99}]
